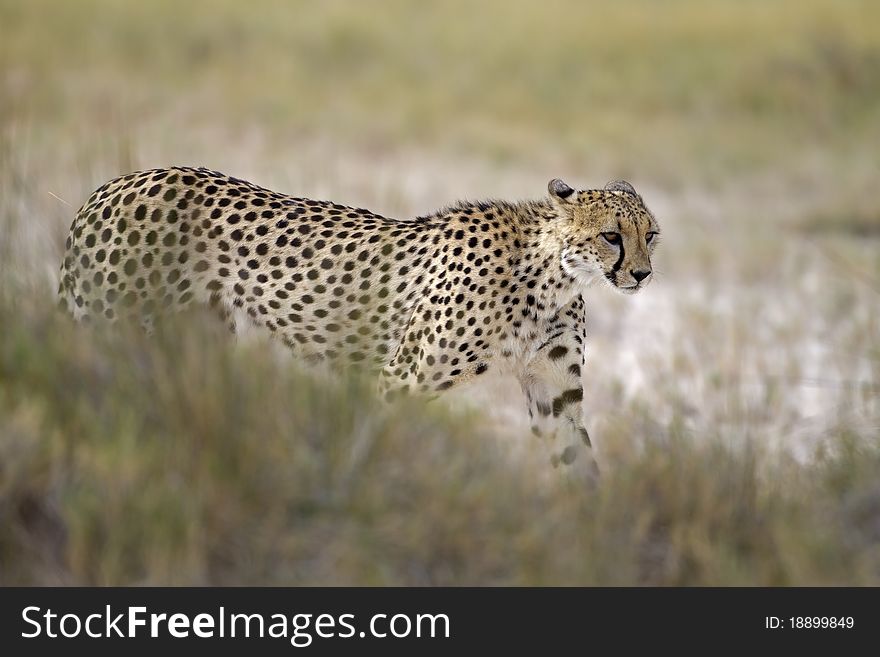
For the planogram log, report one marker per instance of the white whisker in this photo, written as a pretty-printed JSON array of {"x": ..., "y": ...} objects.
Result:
[{"x": 56, "y": 197}]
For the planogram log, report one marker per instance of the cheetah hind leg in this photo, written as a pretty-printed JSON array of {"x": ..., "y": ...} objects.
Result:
[
  {"x": 224, "y": 311},
  {"x": 205, "y": 314}
]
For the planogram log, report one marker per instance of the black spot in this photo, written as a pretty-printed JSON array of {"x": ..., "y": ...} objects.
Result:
[
  {"x": 567, "y": 397},
  {"x": 585, "y": 437}
]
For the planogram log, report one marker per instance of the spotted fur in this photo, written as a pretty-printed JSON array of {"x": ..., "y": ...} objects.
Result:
[{"x": 427, "y": 302}]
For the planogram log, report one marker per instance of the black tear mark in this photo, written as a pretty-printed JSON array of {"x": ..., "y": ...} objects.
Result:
[{"x": 617, "y": 265}]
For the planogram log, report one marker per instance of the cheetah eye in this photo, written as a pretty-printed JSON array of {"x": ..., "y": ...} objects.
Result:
[
  {"x": 649, "y": 237},
  {"x": 611, "y": 238}
]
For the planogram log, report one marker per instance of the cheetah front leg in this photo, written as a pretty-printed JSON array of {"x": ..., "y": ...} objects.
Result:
[{"x": 551, "y": 381}]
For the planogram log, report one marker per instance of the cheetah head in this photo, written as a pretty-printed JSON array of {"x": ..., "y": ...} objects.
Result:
[{"x": 605, "y": 234}]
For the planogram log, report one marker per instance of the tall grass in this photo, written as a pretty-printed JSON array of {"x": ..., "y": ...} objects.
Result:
[{"x": 185, "y": 460}]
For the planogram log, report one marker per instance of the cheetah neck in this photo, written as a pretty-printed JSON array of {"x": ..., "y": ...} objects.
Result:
[{"x": 537, "y": 259}]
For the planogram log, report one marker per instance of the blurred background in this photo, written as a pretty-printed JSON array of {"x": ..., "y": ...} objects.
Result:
[{"x": 734, "y": 403}]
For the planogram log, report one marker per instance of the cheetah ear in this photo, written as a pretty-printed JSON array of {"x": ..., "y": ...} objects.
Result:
[
  {"x": 559, "y": 189},
  {"x": 620, "y": 186}
]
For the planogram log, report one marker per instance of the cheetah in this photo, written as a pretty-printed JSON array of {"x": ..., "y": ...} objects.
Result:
[{"x": 426, "y": 303}]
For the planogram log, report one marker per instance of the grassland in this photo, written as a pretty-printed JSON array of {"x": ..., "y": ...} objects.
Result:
[
  {"x": 734, "y": 403},
  {"x": 179, "y": 460}
]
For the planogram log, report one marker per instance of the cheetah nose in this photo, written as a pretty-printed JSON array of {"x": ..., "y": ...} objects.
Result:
[{"x": 640, "y": 275}]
